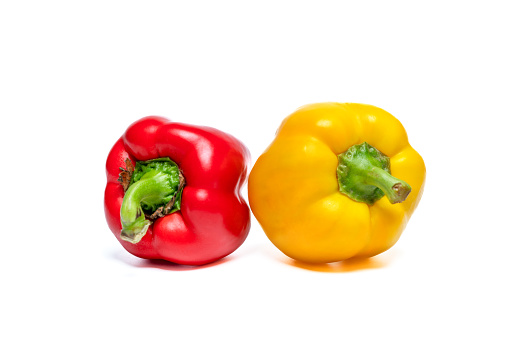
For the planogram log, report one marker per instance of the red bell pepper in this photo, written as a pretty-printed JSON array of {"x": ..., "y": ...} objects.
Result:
[{"x": 178, "y": 198}]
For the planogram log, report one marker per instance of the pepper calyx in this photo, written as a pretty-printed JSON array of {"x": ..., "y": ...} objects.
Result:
[
  {"x": 364, "y": 175},
  {"x": 154, "y": 191},
  {"x": 126, "y": 174}
]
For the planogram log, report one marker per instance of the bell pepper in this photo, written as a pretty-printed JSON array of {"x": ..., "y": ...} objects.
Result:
[
  {"x": 339, "y": 181},
  {"x": 173, "y": 192}
]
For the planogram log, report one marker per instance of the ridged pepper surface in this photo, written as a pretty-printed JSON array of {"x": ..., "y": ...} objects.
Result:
[
  {"x": 173, "y": 192},
  {"x": 339, "y": 181}
]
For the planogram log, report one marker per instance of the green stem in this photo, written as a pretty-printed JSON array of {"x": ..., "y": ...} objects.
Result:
[
  {"x": 364, "y": 176},
  {"x": 396, "y": 190},
  {"x": 155, "y": 189}
]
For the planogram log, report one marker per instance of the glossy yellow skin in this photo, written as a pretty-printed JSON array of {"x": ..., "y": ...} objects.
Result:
[{"x": 293, "y": 188}]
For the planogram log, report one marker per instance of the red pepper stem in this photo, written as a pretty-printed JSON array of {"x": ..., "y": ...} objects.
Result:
[
  {"x": 155, "y": 190},
  {"x": 134, "y": 223},
  {"x": 152, "y": 186}
]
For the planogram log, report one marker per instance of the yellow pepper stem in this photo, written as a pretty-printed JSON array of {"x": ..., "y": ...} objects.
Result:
[
  {"x": 364, "y": 176},
  {"x": 396, "y": 190}
]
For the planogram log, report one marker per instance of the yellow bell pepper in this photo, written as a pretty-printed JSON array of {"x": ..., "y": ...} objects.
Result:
[{"x": 339, "y": 181}]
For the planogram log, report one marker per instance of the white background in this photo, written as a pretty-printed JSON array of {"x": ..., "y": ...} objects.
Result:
[{"x": 74, "y": 75}]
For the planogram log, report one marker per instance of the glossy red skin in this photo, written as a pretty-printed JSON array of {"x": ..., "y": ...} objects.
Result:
[{"x": 214, "y": 219}]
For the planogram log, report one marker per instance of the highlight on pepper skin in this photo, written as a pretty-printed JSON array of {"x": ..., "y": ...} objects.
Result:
[
  {"x": 339, "y": 181},
  {"x": 173, "y": 192}
]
